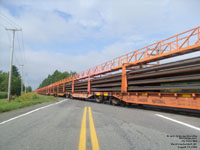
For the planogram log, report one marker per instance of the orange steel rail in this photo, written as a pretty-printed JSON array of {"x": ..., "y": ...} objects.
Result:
[{"x": 179, "y": 44}]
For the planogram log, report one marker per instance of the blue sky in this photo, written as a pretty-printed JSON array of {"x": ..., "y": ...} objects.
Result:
[{"x": 75, "y": 35}]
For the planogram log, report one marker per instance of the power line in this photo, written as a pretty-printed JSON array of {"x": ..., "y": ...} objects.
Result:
[
  {"x": 25, "y": 83},
  {"x": 11, "y": 23},
  {"x": 8, "y": 36},
  {"x": 8, "y": 24},
  {"x": 20, "y": 43},
  {"x": 22, "y": 37},
  {"x": 14, "y": 54},
  {"x": 22, "y": 79},
  {"x": 2, "y": 26},
  {"x": 9, "y": 20},
  {"x": 20, "y": 50},
  {"x": 16, "y": 60}
]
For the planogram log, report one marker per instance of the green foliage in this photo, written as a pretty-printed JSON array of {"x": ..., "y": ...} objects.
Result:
[
  {"x": 25, "y": 100},
  {"x": 15, "y": 71},
  {"x": 3, "y": 95},
  {"x": 3, "y": 81},
  {"x": 28, "y": 89},
  {"x": 27, "y": 96},
  {"x": 15, "y": 84},
  {"x": 56, "y": 76}
]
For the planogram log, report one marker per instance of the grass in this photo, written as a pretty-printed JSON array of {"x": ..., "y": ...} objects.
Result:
[
  {"x": 3, "y": 95},
  {"x": 25, "y": 100}
]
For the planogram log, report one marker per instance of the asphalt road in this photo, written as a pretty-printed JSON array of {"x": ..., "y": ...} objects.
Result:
[{"x": 75, "y": 124}]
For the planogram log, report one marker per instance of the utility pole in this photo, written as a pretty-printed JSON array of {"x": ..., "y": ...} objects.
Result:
[
  {"x": 25, "y": 83},
  {"x": 11, "y": 60},
  {"x": 22, "y": 79},
  {"x": 25, "y": 75}
]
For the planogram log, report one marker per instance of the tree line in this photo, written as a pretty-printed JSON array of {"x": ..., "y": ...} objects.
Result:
[
  {"x": 56, "y": 76},
  {"x": 15, "y": 83}
]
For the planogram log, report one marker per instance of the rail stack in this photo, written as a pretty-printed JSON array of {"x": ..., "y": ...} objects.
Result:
[{"x": 141, "y": 77}]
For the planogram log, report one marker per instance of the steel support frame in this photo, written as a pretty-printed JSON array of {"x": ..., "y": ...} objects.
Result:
[
  {"x": 72, "y": 86},
  {"x": 176, "y": 100},
  {"x": 89, "y": 85},
  {"x": 169, "y": 47},
  {"x": 124, "y": 84},
  {"x": 81, "y": 95},
  {"x": 145, "y": 55},
  {"x": 63, "y": 87}
]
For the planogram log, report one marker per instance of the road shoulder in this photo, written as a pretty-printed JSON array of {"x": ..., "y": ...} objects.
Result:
[{"x": 10, "y": 114}]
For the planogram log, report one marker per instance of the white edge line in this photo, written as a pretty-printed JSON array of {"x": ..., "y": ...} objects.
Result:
[
  {"x": 185, "y": 124},
  {"x": 30, "y": 112}
]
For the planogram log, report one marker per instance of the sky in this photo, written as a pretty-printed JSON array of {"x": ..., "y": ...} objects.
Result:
[{"x": 74, "y": 35}]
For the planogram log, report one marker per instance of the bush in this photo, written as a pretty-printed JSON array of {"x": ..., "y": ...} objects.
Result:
[
  {"x": 27, "y": 96},
  {"x": 34, "y": 96},
  {"x": 25, "y": 100},
  {"x": 3, "y": 95}
]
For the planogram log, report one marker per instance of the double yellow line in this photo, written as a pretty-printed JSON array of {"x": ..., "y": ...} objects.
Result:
[{"x": 93, "y": 135}]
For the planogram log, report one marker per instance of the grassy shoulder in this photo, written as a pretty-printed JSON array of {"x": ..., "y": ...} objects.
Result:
[
  {"x": 3, "y": 95},
  {"x": 27, "y": 99}
]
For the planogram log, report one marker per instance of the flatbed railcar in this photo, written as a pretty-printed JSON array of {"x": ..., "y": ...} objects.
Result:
[{"x": 139, "y": 78}]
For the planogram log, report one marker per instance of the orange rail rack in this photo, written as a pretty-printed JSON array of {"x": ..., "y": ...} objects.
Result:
[{"x": 183, "y": 43}]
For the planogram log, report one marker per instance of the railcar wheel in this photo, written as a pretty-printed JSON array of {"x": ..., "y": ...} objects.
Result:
[
  {"x": 115, "y": 101},
  {"x": 123, "y": 104},
  {"x": 99, "y": 99}
]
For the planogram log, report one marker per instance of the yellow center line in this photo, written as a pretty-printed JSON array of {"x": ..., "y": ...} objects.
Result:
[
  {"x": 82, "y": 140},
  {"x": 94, "y": 140}
]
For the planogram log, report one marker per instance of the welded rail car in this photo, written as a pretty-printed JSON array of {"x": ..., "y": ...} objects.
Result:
[{"x": 140, "y": 78}]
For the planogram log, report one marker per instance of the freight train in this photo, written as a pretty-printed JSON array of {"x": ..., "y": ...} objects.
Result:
[{"x": 141, "y": 76}]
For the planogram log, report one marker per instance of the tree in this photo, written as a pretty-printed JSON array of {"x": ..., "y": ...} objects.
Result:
[
  {"x": 29, "y": 89},
  {"x": 3, "y": 81},
  {"x": 16, "y": 85},
  {"x": 15, "y": 71},
  {"x": 56, "y": 76},
  {"x": 16, "y": 81}
]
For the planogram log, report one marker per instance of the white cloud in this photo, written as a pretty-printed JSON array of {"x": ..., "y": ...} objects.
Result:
[
  {"x": 46, "y": 62},
  {"x": 126, "y": 25}
]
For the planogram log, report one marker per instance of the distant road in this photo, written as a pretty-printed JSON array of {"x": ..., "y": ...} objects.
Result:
[{"x": 74, "y": 124}]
